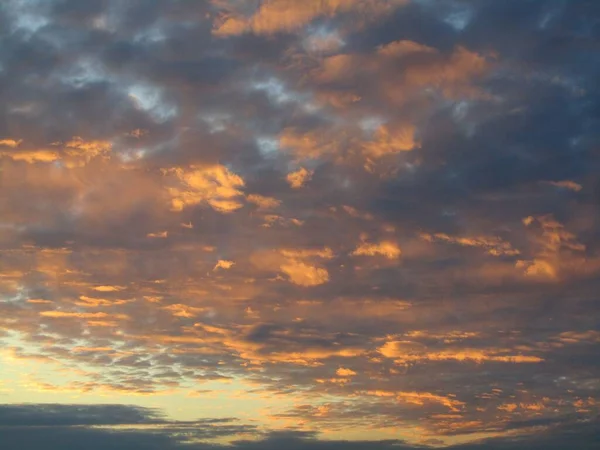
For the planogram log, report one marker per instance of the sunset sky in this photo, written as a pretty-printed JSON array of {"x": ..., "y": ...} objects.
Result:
[{"x": 299, "y": 224}]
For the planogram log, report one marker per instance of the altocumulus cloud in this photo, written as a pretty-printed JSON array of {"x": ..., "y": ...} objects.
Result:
[{"x": 316, "y": 224}]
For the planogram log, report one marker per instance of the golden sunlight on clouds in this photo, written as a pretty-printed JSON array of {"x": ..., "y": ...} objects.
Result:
[
  {"x": 342, "y": 372},
  {"x": 302, "y": 266},
  {"x": 420, "y": 398},
  {"x": 310, "y": 145},
  {"x": 81, "y": 315},
  {"x": 87, "y": 149},
  {"x": 403, "y": 48},
  {"x": 223, "y": 264},
  {"x": 263, "y": 202},
  {"x": 214, "y": 185},
  {"x": 366, "y": 224},
  {"x": 274, "y": 16},
  {"x": 33, "y": 156},
  {"x": 298, "y": 178},
  {"x": 403, "y": 352},
  {"x": 12, "y": 143},
  {"x": 386, "y": 141},
  {"x": 108, "y": 288},
  {"x": 491, "y": 244},
  {"x": 303, "y": 274},
  {"x": 387, "y": 249},
  {"x": 557, "y": 251}
]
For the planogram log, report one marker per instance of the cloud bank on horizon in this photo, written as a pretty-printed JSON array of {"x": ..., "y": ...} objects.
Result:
[{"x": 315, "y": 224}]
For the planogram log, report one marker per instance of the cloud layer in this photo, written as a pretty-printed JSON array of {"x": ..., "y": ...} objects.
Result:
[{"x": 351, "y": 220}]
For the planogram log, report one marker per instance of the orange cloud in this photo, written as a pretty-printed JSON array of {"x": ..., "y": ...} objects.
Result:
[
  {"x": 274, "y": 16},
  {"x": 325, "y": 253},
  {"x": 406, "y": 352},
  {"x": 263, "y": 202},
  {"x": 180, "y": 310},
  {"x": 387, "y": 249},
  {"x": 343, "y": 372},
  {"x": 420, "y": 398},
  {"x": 423, "y": 67},
  {"x": 213, "y": 185},
  {"x": 81, "y": 315},
  {"x": 87, "y": 149},
  {"x": 574, "y": 337},
  {"x": 223, "y": 264},
  {"x": 32, "y": 156},
  {"x": 403, "y": 48},
  {"x": 300, "y": 265},
  {"x": 558, "y": 251},
  {"x": 567, "y": 184},
  {"x": 304, "y": 274},
  {"x": 12, "y": 143},
  {"x": 298, "y": 178},
  {"x": 160, "y": 234},
  {"x": 108, "y": 288},
  {"x": 390, "y": 140},
  {"x": 493, "y": 245},
  {"x": 309, "y": 145}
]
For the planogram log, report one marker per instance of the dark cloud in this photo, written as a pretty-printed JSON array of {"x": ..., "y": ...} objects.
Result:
[{"x": 70, "y": 426}]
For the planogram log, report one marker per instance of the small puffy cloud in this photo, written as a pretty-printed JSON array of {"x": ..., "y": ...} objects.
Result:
[
  {"x": 343, "y": 372},
  {"x": 223, "y": 264},
  {"x": 301, "y": 265},
  {"x": 390, "y": 140},
  {"x": 325, "y": 253},
  {"x": 213, "y": 185},
  {"x": 388, "y": 249},
  {"x": 421, "y": 398},
  {"x": 298, "y": 178},
  {"x": 12, "y": 143},
  {"x": 576, "y": 337},
  {"x": 309, "y": 145},
  {"x": 557, "y": 251},
  {"x": 87, "y": 149},
  {"x": 104, "y": 288},
  {"x": 74, "y": 153},
  {"x": 403, "y": 48},
  {"x": 304, "y": 274},
  {"x": 567, "y": 184},
  {"x": 263, "y": 202},
  {"x": 160, "y": 234}
]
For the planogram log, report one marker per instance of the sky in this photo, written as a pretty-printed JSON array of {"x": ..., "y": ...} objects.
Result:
[{"x": 300, "y": 224}]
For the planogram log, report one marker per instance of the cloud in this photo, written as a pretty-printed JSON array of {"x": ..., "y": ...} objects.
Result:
[
  {"x": 275, "y": 16},
  {"x": 96, "y": 426},
  {"x": 492, "y": 244},
  {"x": 12, "y": 143},
  {"x": 304, "y": 274},
  {"x": 298, "y": 178},
  {"x": 567, "y": 184},
  {"x": 386, "y": 248},
  {"x": 216, "y": 186},
  {"x": 224, "y": 264},
  {"x": 263, "y": 202},
  {"x": 346, "y": 220},
  {"x": 126, "y": 427}
]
